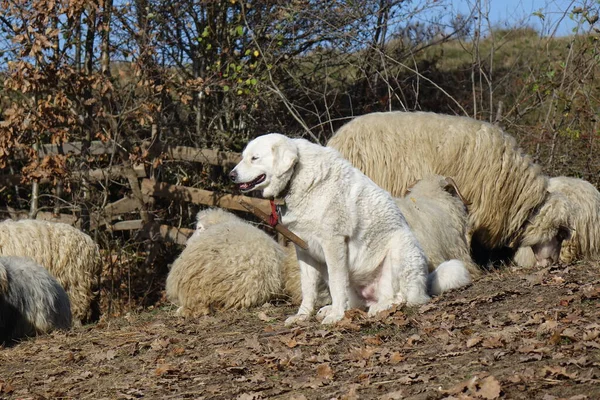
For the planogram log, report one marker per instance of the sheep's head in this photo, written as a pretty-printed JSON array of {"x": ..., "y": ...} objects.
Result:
[{"x": 547, "y": 228}]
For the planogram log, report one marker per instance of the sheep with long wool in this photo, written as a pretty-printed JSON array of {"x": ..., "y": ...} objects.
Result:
[
  {"x": 70, "y": 255},
  {"x": 437, "y": 214},
  {"x": 581, "y": 199},
  {"x": 226, "y": 264},
  {"x": 503, "y": 186},
  {"x": 31, "y": 300}
]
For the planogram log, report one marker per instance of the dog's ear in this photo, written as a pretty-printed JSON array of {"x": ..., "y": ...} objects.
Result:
[{"x": 285, "y": 156}]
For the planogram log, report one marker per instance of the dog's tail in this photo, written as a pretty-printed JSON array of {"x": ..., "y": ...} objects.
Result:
[{"x": 451, "y": 274}]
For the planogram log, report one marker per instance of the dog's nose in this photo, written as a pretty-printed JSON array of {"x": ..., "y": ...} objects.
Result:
[{"x": 233, "y": 175}]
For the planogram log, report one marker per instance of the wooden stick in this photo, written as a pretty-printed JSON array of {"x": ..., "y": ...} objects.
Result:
[{"x": 279, "y": 228}]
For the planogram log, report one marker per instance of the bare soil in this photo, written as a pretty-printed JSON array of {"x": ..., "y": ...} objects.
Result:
[{"x": 513, "y": 334}]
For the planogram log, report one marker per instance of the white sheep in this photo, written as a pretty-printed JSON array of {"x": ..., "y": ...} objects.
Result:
[
  {"x": 226, "y": 264},
  {"x": 70, "y": 255},
  {"x": 501, "y": 183},
  {"x": 583, "y": 204},
  {"x": 437, "y": 215},
  {"x": 31, "y": 300},
  {"x": 231, "y": 264}
]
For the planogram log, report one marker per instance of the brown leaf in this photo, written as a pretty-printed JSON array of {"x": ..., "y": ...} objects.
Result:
[
  {"x": 547, "y": 326},
  {"x": 373, "y": 340},
  {"x": 163, "y": 369},
  {"x": 397, "y": 395},
  {"x": 557, "y": 372},
  {"x": 249, "y": 396},
  {"x": 396, "y": 358},
  {"x": 569, "y": 333},
  {"x": 6, "y": 388},
  {"x": 324, "y": 371},
  {"x": 474, "y": 341},
  {"x": 489, "y": 388},
  {"x": 160, "y": 344},
  {"x": 492, "y": 343},
  {"x": 264, "y": 317}
]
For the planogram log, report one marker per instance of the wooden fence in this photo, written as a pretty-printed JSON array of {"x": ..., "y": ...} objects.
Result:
[{"x": 143, "y": 189}]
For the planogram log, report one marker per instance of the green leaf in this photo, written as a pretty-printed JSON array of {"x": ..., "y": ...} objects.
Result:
[
  {"x": 239, "y": 30},
  {"x": 226, "y": 88}
]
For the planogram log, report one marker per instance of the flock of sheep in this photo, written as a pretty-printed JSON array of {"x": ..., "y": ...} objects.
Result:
[{"x": 463, "y": 185}]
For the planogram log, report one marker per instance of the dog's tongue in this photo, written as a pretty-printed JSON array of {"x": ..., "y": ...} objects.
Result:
[{"x": 244, "y": 185}]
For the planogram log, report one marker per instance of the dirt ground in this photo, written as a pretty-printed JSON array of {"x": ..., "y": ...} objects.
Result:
[{"x": 513, "y": 334}]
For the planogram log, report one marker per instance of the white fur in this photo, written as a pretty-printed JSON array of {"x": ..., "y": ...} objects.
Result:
[
  {"x": 70, "y": 255},
  {"x": 358, "y": 239},
  {"x": 31, "y": 300},
  {"x": 448, "y": 275}
]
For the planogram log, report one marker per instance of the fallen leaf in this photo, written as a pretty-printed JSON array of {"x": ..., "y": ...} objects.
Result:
[
  {"x": 397, "y": 395},
  {"x": 547, "y": 326},
  {"x": 489, "y": 388},
  {"x": 160, "y": 344},
  {"x": 557, "y": 372},
  {"x": 264, "y": 317},
  {"x": 474, "y": 341},
  {"x": 163, "y": 369},
  {"x": 396, "y": 358},
  {"x": 324, "y": 371},
  {"x": 569, "y": 333},
  {"x": 249, "y": 396},
  {"x": 492, "y": 343}
]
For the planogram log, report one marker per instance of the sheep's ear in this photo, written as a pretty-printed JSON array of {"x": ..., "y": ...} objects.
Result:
[
  {"x": 285, "y": 156},
  {"x": 452, "y": 188}
]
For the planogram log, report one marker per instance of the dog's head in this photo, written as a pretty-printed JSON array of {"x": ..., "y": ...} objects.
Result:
[{"x": 267, "y": 164}]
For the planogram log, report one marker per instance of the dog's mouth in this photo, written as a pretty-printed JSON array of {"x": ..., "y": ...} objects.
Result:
[{"x": 247, "y": 186}]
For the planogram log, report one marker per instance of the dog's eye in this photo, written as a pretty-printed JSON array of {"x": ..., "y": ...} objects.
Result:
[{"x": 254, "y": 158}]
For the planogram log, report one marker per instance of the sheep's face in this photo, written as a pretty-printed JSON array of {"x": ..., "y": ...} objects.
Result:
[
  {"x": 267, "y": 164},
  {"x": 548, "y": 253}
]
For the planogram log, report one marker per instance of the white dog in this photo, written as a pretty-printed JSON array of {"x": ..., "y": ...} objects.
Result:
[{"x": 358, "y": 240}]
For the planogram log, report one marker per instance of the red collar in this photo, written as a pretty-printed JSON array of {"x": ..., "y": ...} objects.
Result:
[{"x": 274, "y": 217}]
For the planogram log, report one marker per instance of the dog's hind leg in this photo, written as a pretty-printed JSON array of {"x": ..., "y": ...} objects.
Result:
[
  {"x": 403, "y": 276},
  {"x": 310, "y": 277}
]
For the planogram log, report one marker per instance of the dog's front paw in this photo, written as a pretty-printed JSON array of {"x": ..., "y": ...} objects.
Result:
[
  {"x": 332, "y": 318},
  {"x": 294, "y": 319}
]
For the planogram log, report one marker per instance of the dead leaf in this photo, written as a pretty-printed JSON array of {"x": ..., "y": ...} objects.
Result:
[
  {"x": 547, "y": 326},
  {"x": 492, "y": 343},
  {"x": 160, "y": 344},
  {"x": 373, "y": 340},
  {"x": 413, "y": 339},
  {"x": 397, "y": 395},
  {"x": 264, "y": 317},
  {"x": 324, "y": 371},
  {"x": 396, "y": 358},
  {"x": 249, "y": 396},
  {"x": 591, "y": 334},
  {"x": 163, "y": 369},
  {"x": 557, "y": 372},
  {"x": 6, "y": 388},
  {"x": 569, "y": 333},
  {"x": 474, "y": 341},
  {"x": 351, "y": 394},
  {"x": 110, "y": 354},
  {"x": 489, "y": 388}
]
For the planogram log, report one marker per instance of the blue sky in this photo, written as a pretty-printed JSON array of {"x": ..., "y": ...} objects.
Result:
[{"x": 516, "y": 12}]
